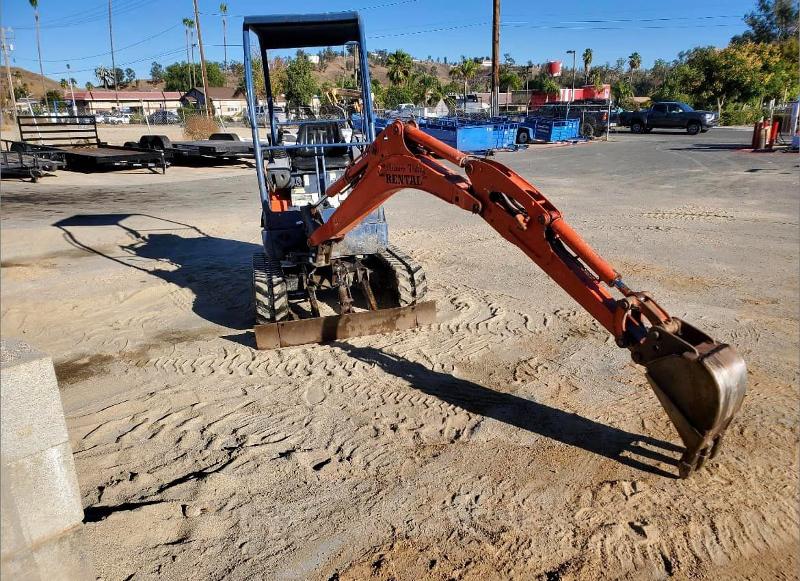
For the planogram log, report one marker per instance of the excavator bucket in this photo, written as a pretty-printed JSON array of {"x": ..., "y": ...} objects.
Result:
[
  {"x": 700, "y": 383},
  {"x": 325, "y": 329}
]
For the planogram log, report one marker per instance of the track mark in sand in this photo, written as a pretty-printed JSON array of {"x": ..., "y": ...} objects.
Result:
[
  {"x": 622, "y": 522},
  {"x": 691, "y": 213}
]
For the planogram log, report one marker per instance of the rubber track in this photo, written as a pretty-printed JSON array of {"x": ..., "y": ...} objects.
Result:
[
  {"x": 412, "y": 286},
  {"x": 269, "y": 289}
]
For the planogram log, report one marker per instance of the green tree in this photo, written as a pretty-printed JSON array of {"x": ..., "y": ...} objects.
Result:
[
  {"x": 400, "y": 65},
  {"x": 53, "y": 96},
  {"x": 130, "y": 76},
  {"x": 300, "y": 82},
  {"x": 156, "y": 73},
  {"x": 710, "y": 78},
  {"x": 178, "y": 76},
  {"x": 396, "y": 94},
  {"x": 634, "y": 62},
  {"x": 22, "y": 91},
  {"x": 277, "y": 76},
  {"x": 545, "y": 83},
  {"x": 378, "y": 94},
  {"x": 587, "y": 62},
  {"x": 427, "y": 89},
  {"x": 622, "y": 92},
  {"x": 466, "y": 71},
  {"x": 772, "y": 21},
  {"x": 677, "y": 84},
  {"x": 110, "y": 78},
  {"x": 509, "y": 80}
]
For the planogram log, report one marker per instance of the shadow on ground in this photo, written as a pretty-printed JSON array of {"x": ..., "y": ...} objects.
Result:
[
  {"x": 715, "y": 147},
  {"x": 216, "y": 270},
  {"x": 631, "y": 449}
]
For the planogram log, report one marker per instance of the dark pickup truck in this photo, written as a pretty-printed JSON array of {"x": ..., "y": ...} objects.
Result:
[{"x": 669, "y": 115}]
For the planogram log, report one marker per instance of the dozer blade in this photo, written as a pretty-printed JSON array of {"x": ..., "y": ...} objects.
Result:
[
  {"x": 324, "y": 329},
  {"x": 700, "y": 383}
]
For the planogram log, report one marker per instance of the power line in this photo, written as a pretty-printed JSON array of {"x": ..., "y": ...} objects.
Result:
[
  {"x": 83, "y": 58},
  {"x": 133, "y": 62},
  {"x": 543, "y": 23},
  {"x": 92, "y": 15},
  {"x": 357, "y": 9},
  {"x": 569, "y": 25}
]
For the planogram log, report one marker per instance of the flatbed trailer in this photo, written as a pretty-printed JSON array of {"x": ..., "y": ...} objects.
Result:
[
  {"x": 219, "y": 147},
  {"x": 15, "y": 163},
  {"x": 76, "y": 138}
]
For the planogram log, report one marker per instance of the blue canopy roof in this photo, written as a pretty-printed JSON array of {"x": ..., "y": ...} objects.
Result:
[{"x": 296, "y": 30}]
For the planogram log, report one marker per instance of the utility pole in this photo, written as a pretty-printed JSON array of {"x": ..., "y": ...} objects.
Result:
[
  {"x": 202, "y": 57},
  {"x": 113, "y": 62},
  {"x": 8, "y": 73},
  {"x": 572, "y": 94},
  {"x": 496, "y": 59}
]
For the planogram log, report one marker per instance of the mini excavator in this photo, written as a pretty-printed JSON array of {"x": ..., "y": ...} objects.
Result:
[{"x": 337, "y": 240}]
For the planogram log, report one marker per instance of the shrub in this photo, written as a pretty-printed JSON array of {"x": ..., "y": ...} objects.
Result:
[
  {"x": 199, "y": 127},
  {"x": 741, "y": 115}
]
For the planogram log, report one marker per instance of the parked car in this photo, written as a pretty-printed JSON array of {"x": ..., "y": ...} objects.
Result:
[
  {"x": 262, "y": 114},
  {"x": 115, "y": 118},
  {"x": 164, "y": 117},
  {"x": 593, "y": 117},
  {"x": 471, "y": 105},
  {"x": 669, "y": 115}
]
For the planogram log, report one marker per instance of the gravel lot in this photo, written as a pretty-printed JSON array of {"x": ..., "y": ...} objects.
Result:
[{"x": 511, "y": 440}]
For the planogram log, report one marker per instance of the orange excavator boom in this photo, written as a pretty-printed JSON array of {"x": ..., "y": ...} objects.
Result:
[{"x": 699, "y": 381}]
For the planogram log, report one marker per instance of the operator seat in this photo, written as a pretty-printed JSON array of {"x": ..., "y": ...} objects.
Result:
[{"x": 305, "y": 158}]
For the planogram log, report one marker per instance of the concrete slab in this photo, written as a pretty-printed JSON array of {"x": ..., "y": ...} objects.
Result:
[
  {"x": 45, "y": 490},
  {"x": 41, "y": 513},
  {"x": 33, "y": 419},
  {"x": 61, "y": 558}
]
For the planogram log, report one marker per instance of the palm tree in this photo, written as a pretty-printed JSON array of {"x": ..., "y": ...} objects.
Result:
[
  {"x": 35, "y": 5},
  {"x": 102, "y": 75},
  {"x": 429, "y": 88},
  {"x": 188, "y": 23},
  {"x": 634, "y": 62},
  {"x": 223, "y": 10},
  {"x": 465, "y": 70},
  {"x": 587, "y": 62},
  {"x": 399, "y": 64}
]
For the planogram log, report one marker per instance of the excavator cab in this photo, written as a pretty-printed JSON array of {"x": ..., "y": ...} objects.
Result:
[{"x": 361, "y": 284}]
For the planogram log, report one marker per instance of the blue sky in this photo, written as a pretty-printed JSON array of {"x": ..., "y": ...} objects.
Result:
[{"x": 76, "y": 32}]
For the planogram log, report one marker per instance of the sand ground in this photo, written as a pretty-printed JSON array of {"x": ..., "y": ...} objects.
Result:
[{"x": 512, "y": 440}]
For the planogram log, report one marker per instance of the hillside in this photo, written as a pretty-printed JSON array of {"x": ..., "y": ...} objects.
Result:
[
  {"x": 337, "y": 68},
  {"x": 22, "y": 76}
]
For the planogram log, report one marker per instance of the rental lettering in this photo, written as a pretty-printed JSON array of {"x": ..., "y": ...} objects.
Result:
[{"x": 403, "y": 179}]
